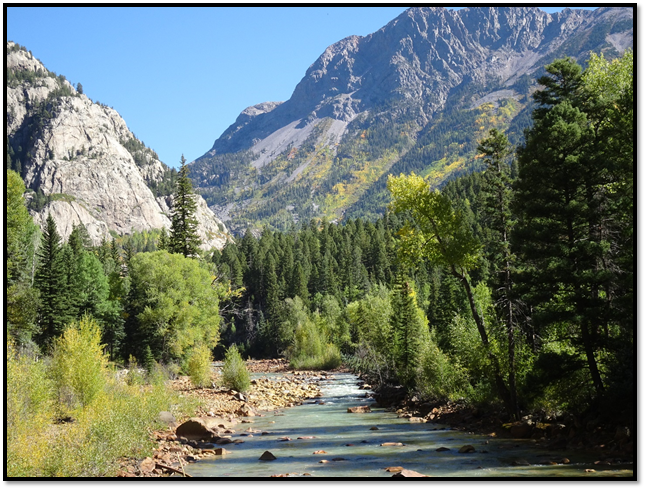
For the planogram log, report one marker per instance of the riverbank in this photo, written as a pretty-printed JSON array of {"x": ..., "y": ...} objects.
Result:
[
  {"x": 221, "y": 417},
  {"x": 611, "y": 441}
]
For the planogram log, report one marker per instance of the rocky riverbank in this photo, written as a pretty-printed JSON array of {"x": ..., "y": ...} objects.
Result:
[
  {"x": 611, "y": 440},
  {"x": 221, "y": 418}
]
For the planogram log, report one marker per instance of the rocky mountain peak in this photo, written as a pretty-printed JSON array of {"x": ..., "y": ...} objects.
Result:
[{"x": 399, "y": 83}]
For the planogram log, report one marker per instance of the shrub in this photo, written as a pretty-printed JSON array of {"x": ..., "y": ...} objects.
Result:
[
  {"x": 79, "y": 366},
  {"x": 29, "y": 405},
  {"x": 439, "y": 377},
  {"x": 199, "y": 366},
  {"x": 234, "y": 372}
]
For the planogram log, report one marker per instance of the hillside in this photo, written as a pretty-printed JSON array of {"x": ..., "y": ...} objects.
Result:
[
  {"x": 416, "y": 95},
  {"x": 81, "y": 163}
]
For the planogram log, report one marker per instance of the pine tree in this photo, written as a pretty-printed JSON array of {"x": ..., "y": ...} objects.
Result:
[
  {"x": 183, "y": 232},
  {"x": 555, "y": 199},
  {"x": 162, "y": 243}
]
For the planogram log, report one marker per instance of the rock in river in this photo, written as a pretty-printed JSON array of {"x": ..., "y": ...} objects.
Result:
[
  {"x": 267, "y": 456},
  {"x": 361, "y": 409}
]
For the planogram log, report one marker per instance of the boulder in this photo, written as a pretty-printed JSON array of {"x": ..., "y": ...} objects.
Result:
[
  {"x": 394, "y": 469},
  {"x": 521, "y": 430},
  {"x": 467, "y": 449},
  {"x": 267, "y": 456},
  {"x": 409, "y": 474},
  {"x": 440, "y": 449},
  {"x": 392, "y": 444},
  {"x": 195, "y": 429}
]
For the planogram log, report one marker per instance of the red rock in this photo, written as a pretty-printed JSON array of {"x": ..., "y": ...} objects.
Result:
[
  {"x": 409, "y": 474},
  {"x": 392, "y": 444},
  {"x": 195, "y": 429},
  {"x": 319, "y": 452}
]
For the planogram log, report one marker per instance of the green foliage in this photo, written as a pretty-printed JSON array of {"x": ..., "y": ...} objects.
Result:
[
  {"x": 410, "y": 333},
  {"x": 51, "y": 280},
  {"x": 235, "y": 375},
  {"x": 441, "y": 377},
  {"x": 439, "y": 231},
  {"x": 171, "y": 306},
  {"x": 199, "y": 366},
  {"x": 20, "y": 245},
  {"x": 79, "y": 365},
  {"x": 311, "y": 347}
]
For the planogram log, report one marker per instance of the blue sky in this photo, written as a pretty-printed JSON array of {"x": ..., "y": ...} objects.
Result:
[{"x": 180, "y": 76}]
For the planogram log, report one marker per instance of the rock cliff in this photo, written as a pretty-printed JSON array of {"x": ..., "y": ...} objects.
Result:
[{"x": 83, "y": 158}]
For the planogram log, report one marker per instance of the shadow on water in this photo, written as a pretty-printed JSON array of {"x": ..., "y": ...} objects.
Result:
[{"x": 348, "y": 437}]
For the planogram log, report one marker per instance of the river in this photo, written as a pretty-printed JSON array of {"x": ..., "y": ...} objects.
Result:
[{"x": 352, "y": 440}]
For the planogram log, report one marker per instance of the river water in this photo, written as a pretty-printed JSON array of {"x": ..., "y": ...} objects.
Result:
[{"x": 349, "y": 436}]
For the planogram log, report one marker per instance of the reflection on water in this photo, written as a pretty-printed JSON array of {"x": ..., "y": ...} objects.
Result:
[{"x": 348, "y": 437}]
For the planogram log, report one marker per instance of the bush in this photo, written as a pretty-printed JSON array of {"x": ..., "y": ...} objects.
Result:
[
  {"x": 310, "y": 349},
  {"x": 113, "y": 422},
  {"x": 199, "y": 366},
  {"x": 79, "y": 366},
  {"x": 234, "y": 372},
  {"x": 440, "y": 378}
]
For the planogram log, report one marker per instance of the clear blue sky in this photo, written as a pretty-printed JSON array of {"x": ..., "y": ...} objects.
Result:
[{"x": 180, "y": 76}]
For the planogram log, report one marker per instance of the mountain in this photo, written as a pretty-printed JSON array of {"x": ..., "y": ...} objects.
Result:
[
  {"x": 416, "y": 95},
  {"x": 81, "y": 163}
]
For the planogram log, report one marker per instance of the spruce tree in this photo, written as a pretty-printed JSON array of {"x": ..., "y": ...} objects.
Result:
[
  {"x": 408, "y": 332},
  {"x": 51, "y": 281},
  {"x": 497, "y": 189},
  {"x": 183, "y": 232}
]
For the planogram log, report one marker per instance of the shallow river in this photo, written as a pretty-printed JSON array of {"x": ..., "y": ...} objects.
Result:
[{"x": 349, "y": 436}]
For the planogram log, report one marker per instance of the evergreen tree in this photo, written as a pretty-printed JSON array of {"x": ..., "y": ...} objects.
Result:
[
  {"x": 569, "y": 220},
  {"x": 497, "y": 213},
  {"x": 51, "y": 281},
  {"x": 162, "y": 243},
  {"x": 408, "y": 327},
  {"x": 183, "y": 232}
]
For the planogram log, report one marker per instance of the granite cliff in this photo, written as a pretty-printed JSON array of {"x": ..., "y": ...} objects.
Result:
[{"x": 82, "y": 159}]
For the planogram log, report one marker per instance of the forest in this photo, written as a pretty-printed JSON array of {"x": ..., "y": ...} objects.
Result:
[{"x": 512, "y": 287}]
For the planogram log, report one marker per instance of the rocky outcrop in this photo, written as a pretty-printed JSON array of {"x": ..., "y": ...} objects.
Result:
[{"x": 83, "y": 157}]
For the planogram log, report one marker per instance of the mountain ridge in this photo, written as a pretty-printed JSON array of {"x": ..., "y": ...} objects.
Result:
[{"x": 407, "y": 74}]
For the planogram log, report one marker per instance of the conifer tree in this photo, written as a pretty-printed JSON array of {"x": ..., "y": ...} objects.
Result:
[
  {"x": 51, "y": 281},
  {"x": 183, "y": 232},
  {"x": 497, "y": 213},
  {"x": 408, "y": 332}
]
